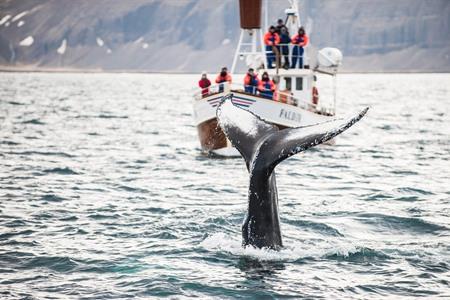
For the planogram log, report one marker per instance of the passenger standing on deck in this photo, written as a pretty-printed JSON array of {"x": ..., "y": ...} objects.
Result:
[
  {"x": 300, "y": 40},
  {"x": 204, "y": 84},
  {"x": 266, "y": 86},
  {"x": 223, "y": 77},
  {"x": 251, "y": 81},
  {"x": 280, "y": 25},
  {"x": 285, "y": 40},
  {"x": 271, "y": 40}
]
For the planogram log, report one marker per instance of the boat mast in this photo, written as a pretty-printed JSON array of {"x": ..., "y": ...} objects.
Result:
[
  {"x": 250, "y": 19},
  {"x": 266, "y": 14},
  {"x": 237, "y": 53}
]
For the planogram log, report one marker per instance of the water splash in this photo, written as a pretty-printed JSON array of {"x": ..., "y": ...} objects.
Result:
[{"x": 296, "y": 251}]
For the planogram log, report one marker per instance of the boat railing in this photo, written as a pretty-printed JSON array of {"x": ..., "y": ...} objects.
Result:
[
  {"x": 276, "y": 95},
  {"x": 211, "y": 90},
  {"x": 287, "y": 56}
]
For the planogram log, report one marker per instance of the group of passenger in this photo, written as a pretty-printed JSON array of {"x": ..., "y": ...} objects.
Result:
[
  {"x": 205, "y": 83},
  {"x": 265, "y": 87},
  {"x": 277, "y": 39}
]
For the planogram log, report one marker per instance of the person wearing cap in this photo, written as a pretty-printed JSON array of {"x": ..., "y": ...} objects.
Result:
[
  {"x": 280, "y": 25},
  {"x": 204, "y": 84},
  {"x": 300, "y": 41},
  {"x": 223, "y": 77},
  {"x": 271, "y": 40},
  {"x": 285, "y": 40},
  {"x": 251, "y": 81},
  {"x": 266, "y": 86}
]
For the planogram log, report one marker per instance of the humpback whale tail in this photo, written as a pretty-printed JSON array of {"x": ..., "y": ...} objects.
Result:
[{"x": 263, "y": 146}]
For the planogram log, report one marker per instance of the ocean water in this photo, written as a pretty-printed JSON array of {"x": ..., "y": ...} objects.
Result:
[{"x": 104, "y": 194}]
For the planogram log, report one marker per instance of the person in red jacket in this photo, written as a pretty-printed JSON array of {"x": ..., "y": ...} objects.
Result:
[
  {"x": 251, "y": 81},
  {"x": 204, "y": 84},
  {"x": 271, "y": 39},
  {"x": 300, "y": 41},
  {"x": 223, "y": 77},
  {"x": 266, "y": 86}
]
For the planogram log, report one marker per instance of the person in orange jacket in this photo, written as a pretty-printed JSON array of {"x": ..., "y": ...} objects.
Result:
[
  {"x": 300, "y": 40},
  {"x": 271, "y": 39},
  {"x": 251, "y": 81},
  {"x": 266, "y": 86},
  {"x": 223, "y": 77},
  {"x": 204, "y": 84}
]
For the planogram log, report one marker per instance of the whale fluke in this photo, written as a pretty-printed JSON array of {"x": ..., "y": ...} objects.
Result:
[
  {"x": 253, "y": 136},
  {"x": 263, "y": 146}
]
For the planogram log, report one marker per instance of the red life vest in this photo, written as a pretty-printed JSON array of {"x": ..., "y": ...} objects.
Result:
[{"x": 204, "y": 85}]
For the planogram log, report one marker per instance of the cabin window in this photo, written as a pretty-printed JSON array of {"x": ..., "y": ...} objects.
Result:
[
  {"x": 288, "y": 82},
  {"x": 299, "y": 83}
]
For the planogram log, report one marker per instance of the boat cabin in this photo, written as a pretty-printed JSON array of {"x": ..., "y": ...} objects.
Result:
[{"x": 298, "y": 83}]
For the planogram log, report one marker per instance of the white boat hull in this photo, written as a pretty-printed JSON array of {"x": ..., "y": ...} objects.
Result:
[{"x": 278, "y": 113}]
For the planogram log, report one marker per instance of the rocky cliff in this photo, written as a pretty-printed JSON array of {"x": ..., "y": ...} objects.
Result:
[{"x": 190, "y": 35}]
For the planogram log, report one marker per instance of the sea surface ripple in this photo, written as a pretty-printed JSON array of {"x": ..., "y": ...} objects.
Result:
[{"x": 104, "y": 193}]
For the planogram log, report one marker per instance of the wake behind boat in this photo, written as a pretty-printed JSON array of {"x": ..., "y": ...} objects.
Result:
[{"x": 294, "y": 100}]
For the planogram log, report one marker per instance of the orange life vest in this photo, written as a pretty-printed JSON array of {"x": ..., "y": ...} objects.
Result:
[
  {"x": 299, "y": 40},
  {"x": 251, "y": 80},
  {"x": 221, "y": 79},
  {"x": 271, "y": 39},
  {"x": 266, "y": 85}
]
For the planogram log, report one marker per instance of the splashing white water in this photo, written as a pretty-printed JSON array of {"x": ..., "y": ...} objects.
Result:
[{"x": 297, "y": 250}]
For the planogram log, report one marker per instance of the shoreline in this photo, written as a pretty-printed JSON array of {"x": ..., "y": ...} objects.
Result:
[{"x": 119, "y": 71}]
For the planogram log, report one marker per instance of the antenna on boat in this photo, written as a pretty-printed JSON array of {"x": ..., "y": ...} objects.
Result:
[
  {"x": 334, "y": 93},
  {"x": 293, "y": 22}
]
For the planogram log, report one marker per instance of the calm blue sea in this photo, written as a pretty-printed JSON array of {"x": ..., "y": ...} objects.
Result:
[{"x": 104, "y": 194}]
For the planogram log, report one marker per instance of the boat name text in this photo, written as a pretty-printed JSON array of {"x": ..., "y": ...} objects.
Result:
[{"x": 290, "y": 115}]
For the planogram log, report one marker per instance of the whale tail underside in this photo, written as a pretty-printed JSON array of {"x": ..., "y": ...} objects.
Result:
[{"x": 263, "y": 145}]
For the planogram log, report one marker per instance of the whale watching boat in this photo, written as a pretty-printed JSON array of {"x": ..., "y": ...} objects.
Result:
[{"x": 294, "y": 101}]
